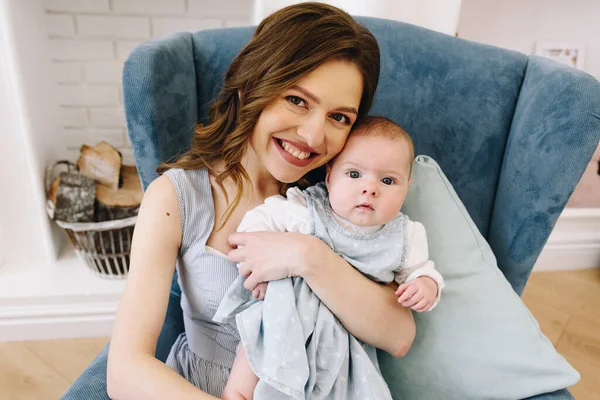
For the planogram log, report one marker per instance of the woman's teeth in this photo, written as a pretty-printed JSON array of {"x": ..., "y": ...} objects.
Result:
[{"x": 300, "y": 155}]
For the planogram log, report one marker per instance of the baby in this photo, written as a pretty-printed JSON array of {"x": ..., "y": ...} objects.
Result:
[{"x": 356, "y": 211}]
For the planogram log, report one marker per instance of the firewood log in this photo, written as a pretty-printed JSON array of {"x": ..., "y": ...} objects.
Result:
[
  {"x": 123, "y": 202},
  {"x": 101, "y": 163},
  {"x": 75, "y": 198}
]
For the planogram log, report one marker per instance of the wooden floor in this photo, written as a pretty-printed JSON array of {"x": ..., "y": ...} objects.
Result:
[
  {"x": 566, "y": 304},
  {"x": 567, "y": 307}
]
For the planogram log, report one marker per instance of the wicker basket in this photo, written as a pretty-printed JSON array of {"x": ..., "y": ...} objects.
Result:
[{"x": 103, "y": 246}]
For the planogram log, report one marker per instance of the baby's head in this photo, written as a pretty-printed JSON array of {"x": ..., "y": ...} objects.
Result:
[{"x": 368, "y": 180}]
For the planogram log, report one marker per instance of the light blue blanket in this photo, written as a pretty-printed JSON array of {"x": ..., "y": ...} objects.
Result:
[
  {"x": 298, "y": 348},
  {"x": 294, "y": 343}
]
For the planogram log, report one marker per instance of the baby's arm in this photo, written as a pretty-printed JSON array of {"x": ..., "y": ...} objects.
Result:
[
  {"x": 420, "y": 283},
  {"x": 242, "y": 381},
  {"x": 277, "y": 214}
]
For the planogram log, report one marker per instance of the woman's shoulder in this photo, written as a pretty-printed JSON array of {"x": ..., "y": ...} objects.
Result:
[
  {"x": 187, "y": 176},
  {"x": 190, "y": 184}
]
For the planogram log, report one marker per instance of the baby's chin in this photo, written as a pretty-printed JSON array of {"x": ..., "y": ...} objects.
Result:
[{"x": 362, "y": 221}]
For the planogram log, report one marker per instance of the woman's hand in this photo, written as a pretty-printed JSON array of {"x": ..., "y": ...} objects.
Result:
[{"x": 269, "y": 256}]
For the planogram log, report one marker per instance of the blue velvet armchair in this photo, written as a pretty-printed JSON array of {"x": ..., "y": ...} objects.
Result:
[{"x": 513, "y": 133}]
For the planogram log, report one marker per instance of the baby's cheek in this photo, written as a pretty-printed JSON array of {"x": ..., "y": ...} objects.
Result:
[{"x": 339, "y": 203}]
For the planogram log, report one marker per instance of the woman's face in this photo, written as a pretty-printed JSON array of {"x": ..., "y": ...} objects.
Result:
[{"x": 307, "y": 124}]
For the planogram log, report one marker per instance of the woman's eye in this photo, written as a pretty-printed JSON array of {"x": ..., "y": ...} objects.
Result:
[
  {"x": 354, "y": 174},
  {"x": 295, "y": 100},
  {"x": 341, "y": 118},
  {"x": 387, "y": 181}
]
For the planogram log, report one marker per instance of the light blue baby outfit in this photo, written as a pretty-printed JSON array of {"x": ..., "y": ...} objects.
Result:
[{"x": 294, "y": 343}]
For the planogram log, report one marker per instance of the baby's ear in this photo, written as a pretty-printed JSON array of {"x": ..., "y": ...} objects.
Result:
[{"x": 327, "y": 172}]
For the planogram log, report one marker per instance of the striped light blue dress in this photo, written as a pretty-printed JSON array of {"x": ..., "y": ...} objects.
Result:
[{"x": 204, "y": 353}]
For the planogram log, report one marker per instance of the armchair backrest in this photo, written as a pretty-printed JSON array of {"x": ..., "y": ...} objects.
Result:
[{"x": 512, "y": 133}]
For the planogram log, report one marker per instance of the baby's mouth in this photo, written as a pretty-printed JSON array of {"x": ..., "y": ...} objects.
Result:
[
  {"x": 365, "y": 206},
  {"x": 294, "y": 151}
]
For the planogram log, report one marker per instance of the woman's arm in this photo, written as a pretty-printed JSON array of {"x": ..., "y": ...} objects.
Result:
[
  {"x": 368, "y": 310},
  {"x": 133, "y": 371}
]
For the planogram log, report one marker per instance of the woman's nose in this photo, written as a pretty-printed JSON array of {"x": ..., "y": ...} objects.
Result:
[{"x": 312, "y": 130}]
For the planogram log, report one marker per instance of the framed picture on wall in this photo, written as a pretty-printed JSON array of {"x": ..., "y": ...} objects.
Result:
[{"x": 568, "y": 53}]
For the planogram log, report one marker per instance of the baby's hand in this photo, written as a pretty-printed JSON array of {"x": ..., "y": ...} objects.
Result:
[
  {"x": 260, "y": 291},
  {"x": 418, "y": 294}
]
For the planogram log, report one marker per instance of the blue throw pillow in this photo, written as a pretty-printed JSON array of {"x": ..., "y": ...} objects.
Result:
[{"x": 480, "y": 342}]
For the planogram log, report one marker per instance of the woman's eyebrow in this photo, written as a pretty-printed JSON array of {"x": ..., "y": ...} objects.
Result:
[
  {"x": 316, "y": 100},
  {"x": 308, "y": 94},
  {"x": 351, "y": 110}
]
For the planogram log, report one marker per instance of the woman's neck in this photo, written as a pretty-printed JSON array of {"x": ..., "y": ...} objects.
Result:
[{"x": 262, "y": 184}]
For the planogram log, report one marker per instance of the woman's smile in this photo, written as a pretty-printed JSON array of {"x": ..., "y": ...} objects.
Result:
[{"x": 294, "y": 153}]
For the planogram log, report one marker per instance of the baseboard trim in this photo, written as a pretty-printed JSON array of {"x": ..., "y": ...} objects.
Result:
[
  {"x": 574, "y": 242},
  {"x": 56, "y": 301},
  {"x": 42, "y": 321}
]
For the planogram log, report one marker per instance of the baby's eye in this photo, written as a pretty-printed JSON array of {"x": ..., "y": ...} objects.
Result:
[
  {"x": 354, "y": 174},
  {"x": 387, "y": 181},
  {"x": 341, "y": 118},
  {"x": 295, "y": 100}
]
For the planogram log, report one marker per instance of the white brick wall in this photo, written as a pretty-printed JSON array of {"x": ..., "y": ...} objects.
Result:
[
  {"x": 152, "y": 7},
  {"x": 61, "y": 25},
  {"x": 77, "y": 5},
  {"x": 164, "y": 26},
  {"x": 89, "y": 41},
  {"x": 222, "y": 8},
  {"x": 64, "y": 49},
  {"x": 74, "y": 117},
  {"x": 103, "y": 72},
  {"x": 112, "y": 26},
  {"x": 107, "y": 117},
  {"x": 87, "y": 95},
  {"x": 66, "y": 72}
]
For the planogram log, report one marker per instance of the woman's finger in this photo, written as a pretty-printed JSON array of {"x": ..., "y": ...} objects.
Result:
[
  {"x": 417, "y": 297},
  {"x": 237, "y": 239},
  {"x": 422, "y": 305},
  {"x": 236, "y": 255},
  {"x": 245, "y": 269},
  {"x": 251, "y": 282},
  {"x": 408, "y": 293}
]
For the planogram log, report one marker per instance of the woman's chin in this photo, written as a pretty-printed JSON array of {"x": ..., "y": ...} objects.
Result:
[{"x": 288, "y": 176}]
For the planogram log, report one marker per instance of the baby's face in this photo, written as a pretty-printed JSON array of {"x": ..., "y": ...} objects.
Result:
[{"x": 369, "y": 179}]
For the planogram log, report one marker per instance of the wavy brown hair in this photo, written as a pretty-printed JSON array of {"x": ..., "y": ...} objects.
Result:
[{"x": 286, "y": 46}]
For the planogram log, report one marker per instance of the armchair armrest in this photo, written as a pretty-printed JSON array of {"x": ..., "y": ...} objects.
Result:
[{"x": 556, "y": 125}]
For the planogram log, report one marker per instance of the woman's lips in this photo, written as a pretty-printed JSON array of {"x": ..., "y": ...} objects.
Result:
[
  {"x": 290, "y": 158},
  {"x": 300, "y": 146}
]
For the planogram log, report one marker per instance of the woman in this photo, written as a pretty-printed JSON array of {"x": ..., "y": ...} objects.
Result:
[{"x": 287, "y": 106}]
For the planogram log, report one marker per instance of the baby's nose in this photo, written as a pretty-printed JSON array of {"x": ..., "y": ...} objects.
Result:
[{"x": 369, "y": 191}]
